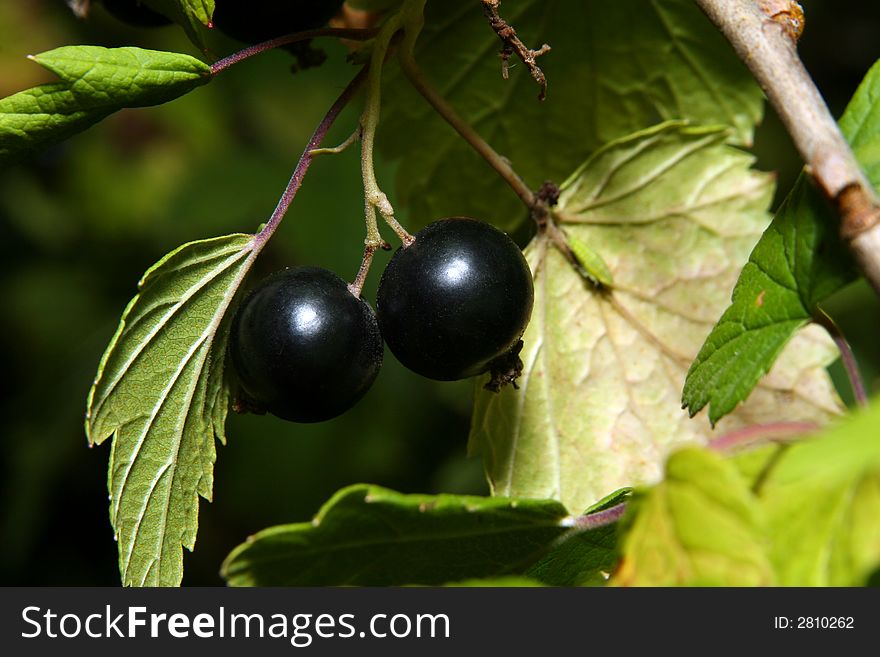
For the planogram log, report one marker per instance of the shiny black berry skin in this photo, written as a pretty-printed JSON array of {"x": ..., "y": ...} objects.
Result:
[
  {"x": 456, "y": 299},
  {"x": 253, "y": 21},
  {"x": 304, "y": 348},
  {"x": 135, "y": 13}
]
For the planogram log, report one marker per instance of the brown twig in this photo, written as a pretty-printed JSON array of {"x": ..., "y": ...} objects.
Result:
[
  {"x": 511, "y": 44},
  {"x": 418, "y": 80},
  {"x": 763, "y": 38}
]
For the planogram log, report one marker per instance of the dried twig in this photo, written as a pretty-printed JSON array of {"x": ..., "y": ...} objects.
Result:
[{"x": 511, "y": 44}]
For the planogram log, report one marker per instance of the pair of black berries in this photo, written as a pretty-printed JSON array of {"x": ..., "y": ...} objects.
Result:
[{"x": 451, "y": 305}]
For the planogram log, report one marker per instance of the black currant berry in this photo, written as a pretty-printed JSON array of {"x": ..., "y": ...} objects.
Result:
[
  {"x": 253, "y": 21},
  {"x": 455, "y": 300},
  {"x": 305, "y": 349},
  {"x": 135, "y": 13}
]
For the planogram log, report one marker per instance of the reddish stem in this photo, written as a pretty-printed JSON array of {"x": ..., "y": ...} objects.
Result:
[
  {"x": 354, "y": 34},
  {"x": 760, "y": 433},
  {"x": 601, "y": 518},
  {"x": 846, "y": 356},
  {"x": 306, "y": 158}
]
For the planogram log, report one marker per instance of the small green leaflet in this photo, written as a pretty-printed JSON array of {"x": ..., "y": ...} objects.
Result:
[
  {"x": 673, "y": 211},
  {"x": 594, "y": 267},
  {"x": 614, "y": 68},
  {"x": 96, "y": 81},
  {"x": 821, "y": 501},
  {"x": 798, "y": 262},
  {"x": 699, "y": 527},
  {"x": 160, "y": 392},
  {"x": 192, "y": 15},
  {"x": 371, "y": 536}
]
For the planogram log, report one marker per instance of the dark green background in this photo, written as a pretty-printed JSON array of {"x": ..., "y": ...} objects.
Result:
[{"x": 80, "y": 223}]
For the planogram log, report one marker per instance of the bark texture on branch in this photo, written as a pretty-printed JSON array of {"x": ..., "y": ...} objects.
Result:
[{"x": 764, "y": 35}]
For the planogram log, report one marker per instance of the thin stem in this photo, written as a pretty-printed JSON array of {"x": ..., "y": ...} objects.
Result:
[
  {"x": 369, "y": 251},
  {"x": 760, "y": 433},
  {"x": 846, "y": 356},
  {"x": 306, "y": 158},
  {"x": 765, "y": 41},
  {"x": 601, "y": 518},
  {"x": 374, "y": 198},
  {"x": 353, "y": 137},
  {"x": 768, "y": 468},
  {"x": 354, "y": 34},
  {"x": 415, "y": 76}
]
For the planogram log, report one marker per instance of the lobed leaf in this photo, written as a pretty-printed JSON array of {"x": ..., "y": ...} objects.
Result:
[
  {"x": 96, "y": 82},
  {"x": 371, "y": 536},
  {"x": 160, "y": 392},
  {"x": 673, "y": 211},
  {"x": 614, "y": 68},
  {"x": 699, "y": 527},
  {"x": 798, "y": 263}
]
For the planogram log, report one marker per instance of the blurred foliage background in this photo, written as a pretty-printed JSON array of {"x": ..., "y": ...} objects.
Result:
[{"x": 80, "y": 224}]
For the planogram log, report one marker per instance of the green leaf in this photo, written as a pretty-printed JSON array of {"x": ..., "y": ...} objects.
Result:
[
  {"x": 192, "y": 15},
  {"x": 161, "y": 394},
  {"x": 673, "y": 211},
  {"x": 96, "y": 82},
  {"x": 614, "y": 68},
  {"x": 586, "y": 558},
  {"x": 371, "y": 536},
  {"x": 821, "y": 499},
  {"x": 700, "y": 527},
  {"x": 798, "y": 263}
]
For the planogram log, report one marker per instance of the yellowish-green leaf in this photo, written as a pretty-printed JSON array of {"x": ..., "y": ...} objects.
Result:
[
  {"x": 674, "y": 212},
  {"x": 821, "y": 498},
  {"x": 160, "y": 393},
  {"x": 700, "y": 527}
]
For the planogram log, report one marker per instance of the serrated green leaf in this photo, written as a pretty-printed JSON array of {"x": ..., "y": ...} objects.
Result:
[
  {"x": 192, "y": 15},
  {"x": 161, "y": 394},
  {"x": 96, "y": 82},
  {"x": 700, "y": 527},
  {"x": 366, "y": 535},
  {"x": 798, "y": 263},
  {"x": 821, "y": 499},
  {"x": 614, "y": 68},
  {"x": 673, "y": 211}
]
